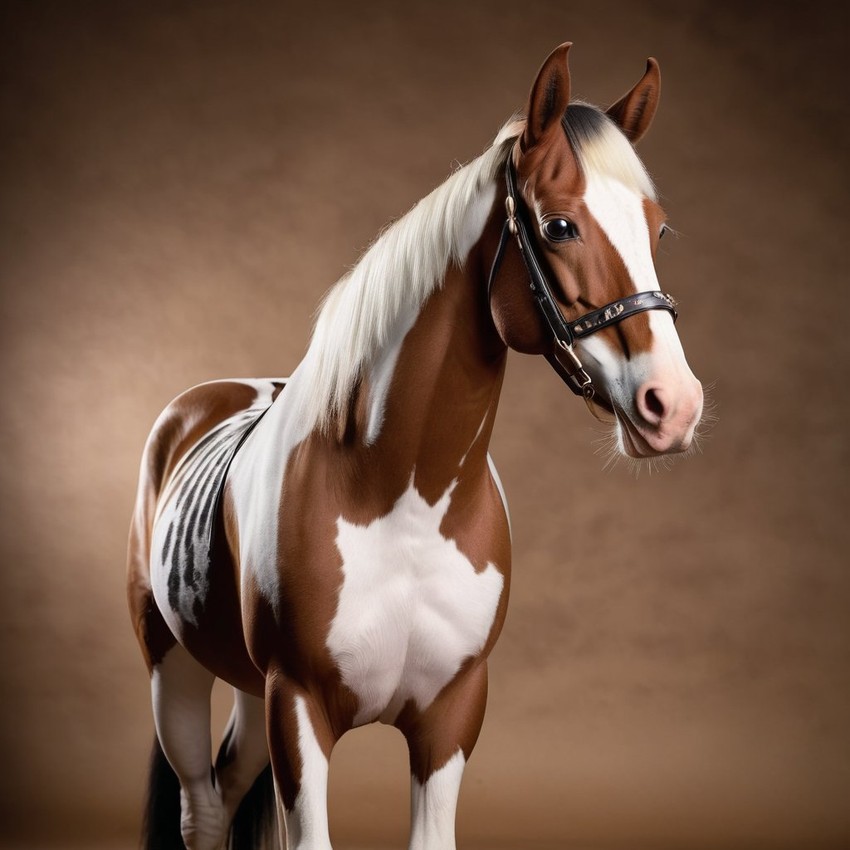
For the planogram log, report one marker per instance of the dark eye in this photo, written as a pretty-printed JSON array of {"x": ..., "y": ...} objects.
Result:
[
  {"x": 663, "y": 230},
  {"x": 559, "y": 229}
]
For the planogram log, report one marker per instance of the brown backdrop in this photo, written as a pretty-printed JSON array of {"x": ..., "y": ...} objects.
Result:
[{"x": 182, "y": 181}]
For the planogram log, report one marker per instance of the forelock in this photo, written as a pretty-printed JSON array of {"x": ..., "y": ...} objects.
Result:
[{"x": 602, "y": 149}]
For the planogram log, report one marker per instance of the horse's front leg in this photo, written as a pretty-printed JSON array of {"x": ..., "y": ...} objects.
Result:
[
  {"x": 440, "y": 740},
  {"x": 300, "y": 744}
]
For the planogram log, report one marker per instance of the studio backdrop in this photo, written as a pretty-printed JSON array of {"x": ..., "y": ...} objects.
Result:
[{"x": 182, "y": 182}]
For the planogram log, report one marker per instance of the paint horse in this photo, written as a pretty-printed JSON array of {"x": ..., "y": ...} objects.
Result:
[{"x": 350, "y": 563}]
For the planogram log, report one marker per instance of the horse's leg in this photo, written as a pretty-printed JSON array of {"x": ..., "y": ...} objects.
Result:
[
  {"x": 180, "y": 688},
  {"x": 243, "y": 753},
  {"x": 300, "y": 744},
  {"x": 440, "y": 740}
]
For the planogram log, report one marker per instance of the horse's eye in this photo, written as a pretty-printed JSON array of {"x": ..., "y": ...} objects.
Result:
[
  {"x": 663, "y": 230},
  {"x": 559, "y": 229}
]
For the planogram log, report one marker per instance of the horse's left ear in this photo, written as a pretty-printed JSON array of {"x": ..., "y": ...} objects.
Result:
[
  {"x": 549, "y": 97},
  {"x": 634, "y": 111}
]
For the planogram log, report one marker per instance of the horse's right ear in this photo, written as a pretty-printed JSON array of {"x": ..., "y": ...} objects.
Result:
[
  {"x": 549, "y": 97},
  {"x": 634, "y": 111}
]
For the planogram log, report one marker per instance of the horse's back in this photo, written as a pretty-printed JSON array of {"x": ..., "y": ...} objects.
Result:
[{"x": 177, "y": 582}]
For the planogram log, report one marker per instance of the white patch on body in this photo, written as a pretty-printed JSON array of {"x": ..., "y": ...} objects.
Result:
[
  {"x": 256, "y": 482},
  {"x": 433, "y": 806},
  {"x": 411, "y": 609}
]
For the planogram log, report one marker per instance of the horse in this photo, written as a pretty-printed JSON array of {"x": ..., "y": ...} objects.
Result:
[{"x": 336, "y": 545}]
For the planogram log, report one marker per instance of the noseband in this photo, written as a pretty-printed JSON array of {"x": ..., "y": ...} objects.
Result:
[{"x": 518, "y": 223}]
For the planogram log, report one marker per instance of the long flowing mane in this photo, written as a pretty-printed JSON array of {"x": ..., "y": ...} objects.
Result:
[
  {"x": 409, "y": 259},
  {"x": 393, "y": 278}
]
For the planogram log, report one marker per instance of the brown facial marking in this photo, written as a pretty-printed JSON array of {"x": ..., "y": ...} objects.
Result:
[{"x": 588, "y": 272}]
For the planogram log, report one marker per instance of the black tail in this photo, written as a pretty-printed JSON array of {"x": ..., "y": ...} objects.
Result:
[
  {"x": 255, "y": 820},
  {"x": 161, "y": 825}
]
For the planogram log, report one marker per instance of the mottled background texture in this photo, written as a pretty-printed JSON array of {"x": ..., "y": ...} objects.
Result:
[{"x": 180, "y": 184}]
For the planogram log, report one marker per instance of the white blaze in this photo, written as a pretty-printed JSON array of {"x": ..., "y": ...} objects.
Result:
[{"x": 618, "y": 210}]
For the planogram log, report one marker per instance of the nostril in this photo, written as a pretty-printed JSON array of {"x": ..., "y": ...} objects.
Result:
[
  {"x": 650, "y": 402},
  {"x": 653, "y": 403}
]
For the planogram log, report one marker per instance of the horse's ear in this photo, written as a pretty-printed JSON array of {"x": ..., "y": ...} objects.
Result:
[
  {"x": 634, "y": 111},
  {"x": 549, "y": 97}
]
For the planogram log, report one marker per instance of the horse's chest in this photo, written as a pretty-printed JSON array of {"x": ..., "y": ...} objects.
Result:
[{"x": 411, "y": 608}]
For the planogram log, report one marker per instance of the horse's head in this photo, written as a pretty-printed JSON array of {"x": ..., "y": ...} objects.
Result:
[{"x": 588, "y": 213}]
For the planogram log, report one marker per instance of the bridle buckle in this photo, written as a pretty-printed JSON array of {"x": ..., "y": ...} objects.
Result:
[
  {"x": 510, "y": 209},
  {"x": 578, "y": 372},
  {"x": 580, "y": 378}
]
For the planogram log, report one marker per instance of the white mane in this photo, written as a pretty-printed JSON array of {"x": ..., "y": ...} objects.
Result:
[{"x": 395, "y": 276}]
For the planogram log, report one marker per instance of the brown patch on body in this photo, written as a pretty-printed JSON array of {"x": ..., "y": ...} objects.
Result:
[{"x": 437, "y": 422}]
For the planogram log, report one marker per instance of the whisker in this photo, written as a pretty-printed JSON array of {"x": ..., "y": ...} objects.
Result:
[
  {"x": 607, "y": 447},
  {"x": 707, "y": 421}
]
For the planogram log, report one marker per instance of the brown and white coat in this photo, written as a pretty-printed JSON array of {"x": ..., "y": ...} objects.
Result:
[{"x": 360, "y": 560}]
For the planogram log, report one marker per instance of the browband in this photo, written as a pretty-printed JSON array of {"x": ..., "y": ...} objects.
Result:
[{"x": 564, "y": 333}]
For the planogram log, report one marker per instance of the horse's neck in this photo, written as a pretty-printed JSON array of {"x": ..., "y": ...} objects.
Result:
[
  {"x": 424, "y": 404},
  {"x": 428, "y": 401}
]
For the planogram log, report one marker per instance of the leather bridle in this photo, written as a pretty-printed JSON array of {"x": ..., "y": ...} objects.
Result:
[{"x": 518, "y": 223}]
